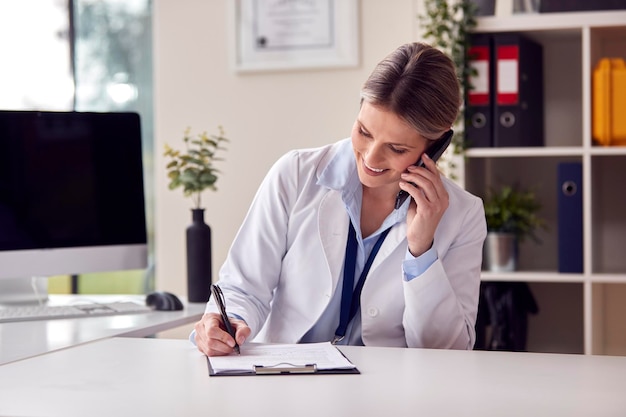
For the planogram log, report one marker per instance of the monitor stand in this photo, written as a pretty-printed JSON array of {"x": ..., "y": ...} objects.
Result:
[{"x": 30, "y": 290}]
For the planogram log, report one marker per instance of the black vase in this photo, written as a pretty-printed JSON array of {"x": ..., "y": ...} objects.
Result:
[{"x": 198, "y": 258}]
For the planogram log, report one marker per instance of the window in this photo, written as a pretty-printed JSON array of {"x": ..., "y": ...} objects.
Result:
[
  {"x": 36, "y": 63},
  {"x": 84, "y": 55}
]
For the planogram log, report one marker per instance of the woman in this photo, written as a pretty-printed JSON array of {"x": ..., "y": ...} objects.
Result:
[{"x": 283, "y": 279}]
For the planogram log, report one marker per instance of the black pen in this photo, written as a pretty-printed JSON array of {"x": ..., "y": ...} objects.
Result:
[{"x": 218, "y": 295}]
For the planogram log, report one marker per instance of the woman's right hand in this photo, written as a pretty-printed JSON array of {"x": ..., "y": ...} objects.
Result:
[{"x": 212, "y": 339}]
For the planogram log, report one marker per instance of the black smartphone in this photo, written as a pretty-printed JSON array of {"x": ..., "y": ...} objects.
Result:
[{"x": 435, "y": 151}]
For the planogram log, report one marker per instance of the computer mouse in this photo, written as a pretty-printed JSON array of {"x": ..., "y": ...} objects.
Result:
[{"x": 163, "y": 301}]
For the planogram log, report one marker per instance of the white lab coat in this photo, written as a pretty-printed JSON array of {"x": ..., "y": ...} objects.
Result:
[{"x": 289, "y": 254}]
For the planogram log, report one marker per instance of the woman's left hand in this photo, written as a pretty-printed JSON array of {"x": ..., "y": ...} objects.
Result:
[{"x": 430, "y": 201}]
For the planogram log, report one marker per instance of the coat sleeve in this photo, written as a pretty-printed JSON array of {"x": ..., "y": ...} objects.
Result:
[
  {"x": 252, "y": 268},
  {"x": 441, "y": 305}
]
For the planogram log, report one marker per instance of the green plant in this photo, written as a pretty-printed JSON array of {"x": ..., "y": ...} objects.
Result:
[
  {"x": 446, "y": 26},
  {"x": 194, "y": 170},
  {"x": 513, "y": 210}
]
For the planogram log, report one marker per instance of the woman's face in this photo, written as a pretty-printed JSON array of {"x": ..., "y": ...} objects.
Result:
[{"x": 384, "y": 147}]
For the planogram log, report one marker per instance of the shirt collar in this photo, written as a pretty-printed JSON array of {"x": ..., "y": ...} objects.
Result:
[{"x": 341, "y": 175}]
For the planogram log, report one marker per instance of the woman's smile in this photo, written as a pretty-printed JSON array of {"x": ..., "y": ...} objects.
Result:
[{"x": 371, "y": 170}]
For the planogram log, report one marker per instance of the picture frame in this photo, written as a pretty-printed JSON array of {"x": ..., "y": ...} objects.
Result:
[{"x": 272, "y": 35}]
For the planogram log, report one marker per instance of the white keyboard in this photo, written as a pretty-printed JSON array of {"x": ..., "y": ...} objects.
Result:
[{"x": 47, "y": 312}]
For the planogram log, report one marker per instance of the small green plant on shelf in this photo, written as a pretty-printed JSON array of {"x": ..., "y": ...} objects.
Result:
[
  {"x": 514, "y": 210},
  {"x": 194, "y": 170}
]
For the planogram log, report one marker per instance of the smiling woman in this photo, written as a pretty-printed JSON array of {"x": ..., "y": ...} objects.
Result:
[{"x": 323, "y": 253}]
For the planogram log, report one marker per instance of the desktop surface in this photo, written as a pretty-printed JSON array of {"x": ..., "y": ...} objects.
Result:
[
  {"x": 20, "y": 340},
  {"x": 160, "y": 377}
]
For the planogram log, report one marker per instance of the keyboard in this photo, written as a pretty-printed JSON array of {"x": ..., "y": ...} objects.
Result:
[{"x": 47, "y": 312}]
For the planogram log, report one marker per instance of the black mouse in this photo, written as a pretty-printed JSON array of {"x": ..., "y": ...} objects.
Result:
[{"x": 163, "y": 301}]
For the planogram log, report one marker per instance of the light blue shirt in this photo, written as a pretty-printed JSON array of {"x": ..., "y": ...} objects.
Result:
[{"x": 341, "y": 174}]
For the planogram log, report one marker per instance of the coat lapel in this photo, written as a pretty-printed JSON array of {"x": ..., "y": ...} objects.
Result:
[
  {"x": 396, "y": 236},
  {"x": 333, "y": 231}
]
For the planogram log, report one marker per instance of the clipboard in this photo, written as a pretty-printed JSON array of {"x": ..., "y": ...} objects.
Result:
[{"x": 283, "y": 359}]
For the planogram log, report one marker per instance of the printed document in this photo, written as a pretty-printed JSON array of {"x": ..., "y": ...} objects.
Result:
[{"x": 324, "y": 356}]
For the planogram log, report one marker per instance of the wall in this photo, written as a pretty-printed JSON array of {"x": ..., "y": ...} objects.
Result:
[{"x": 264, "y": 114}]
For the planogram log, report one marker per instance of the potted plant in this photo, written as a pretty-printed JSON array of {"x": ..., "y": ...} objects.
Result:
[
  {"x": 512, "y": 216},
  {"x": 194, "y": 172}
]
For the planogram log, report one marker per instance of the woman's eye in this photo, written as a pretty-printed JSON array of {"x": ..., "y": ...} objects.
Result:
[
  {"x": 364, "y": 133},
  {"x": 397, "y": 150}
]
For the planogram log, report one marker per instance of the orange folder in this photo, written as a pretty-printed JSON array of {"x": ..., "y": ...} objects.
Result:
[{"x": 609, "y": 102}]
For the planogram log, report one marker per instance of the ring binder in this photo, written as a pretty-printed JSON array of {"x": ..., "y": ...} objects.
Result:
[
  {"x": 479, "y": 110},
  {"x": 518, "y": 91},
  {"x": 570, "y": 217},
  {"x": 608, "y": 104}
]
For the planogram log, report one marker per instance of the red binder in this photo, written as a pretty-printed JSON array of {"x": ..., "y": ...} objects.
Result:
[
  {"x": 479, "y": 112},
  {"x": 518, "y": 84}
]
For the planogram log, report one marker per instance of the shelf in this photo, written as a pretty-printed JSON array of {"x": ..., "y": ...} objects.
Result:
[
  {"x": 608, "y": 278},
  {"x": 608, "y": 150},
  {"x": 546, "y": 151},
  {"x": 524, "y": 152},
  {"x": 585, "y": 309},
  {"x": 531, "y": 276},
  {"x": 552, "y": 276},
  {"x": 550, "y": 22}
]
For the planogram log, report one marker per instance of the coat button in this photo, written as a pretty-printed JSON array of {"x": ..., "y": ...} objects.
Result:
[{"x": 372, "y": 312}]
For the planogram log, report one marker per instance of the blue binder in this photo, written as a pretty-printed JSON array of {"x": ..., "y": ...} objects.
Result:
[{"x": 570, "y": 216}]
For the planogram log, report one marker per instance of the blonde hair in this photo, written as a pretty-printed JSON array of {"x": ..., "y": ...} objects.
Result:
[{"x": 419, "y": 84}]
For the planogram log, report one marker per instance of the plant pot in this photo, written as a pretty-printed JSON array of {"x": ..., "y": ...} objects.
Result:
[
  {"x": 198, "y": 258},
  {"x": 500, "y": 252}
]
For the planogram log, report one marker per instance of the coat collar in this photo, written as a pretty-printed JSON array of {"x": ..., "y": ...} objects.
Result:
[{"x": 340, "y": 174}]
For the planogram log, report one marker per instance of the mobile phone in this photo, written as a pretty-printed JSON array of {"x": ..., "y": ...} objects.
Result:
[{"x": 434, "y": 152}]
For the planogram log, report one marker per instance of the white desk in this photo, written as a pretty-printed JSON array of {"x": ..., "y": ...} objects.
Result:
[
  {"x": 25, "y": 339},
  {"x": 160, "y": 377}
]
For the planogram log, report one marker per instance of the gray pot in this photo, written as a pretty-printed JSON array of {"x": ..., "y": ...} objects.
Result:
[{"x": 500, "y": 252}]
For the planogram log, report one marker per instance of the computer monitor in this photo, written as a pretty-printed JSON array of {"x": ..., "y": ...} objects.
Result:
[{"x": 71, "y": 196}]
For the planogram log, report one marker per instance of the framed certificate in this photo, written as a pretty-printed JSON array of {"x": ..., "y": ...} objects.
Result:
[{"x": 294, "y": 34}]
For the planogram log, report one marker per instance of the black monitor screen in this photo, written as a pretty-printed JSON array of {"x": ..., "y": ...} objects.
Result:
[{"x": 70, "y": 179}]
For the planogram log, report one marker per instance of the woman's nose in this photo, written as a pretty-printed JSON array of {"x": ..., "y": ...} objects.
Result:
[{"x": 373, "y": 154}]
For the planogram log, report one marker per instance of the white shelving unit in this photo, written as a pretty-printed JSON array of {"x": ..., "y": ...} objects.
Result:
[{"x": 579, "y": 313}]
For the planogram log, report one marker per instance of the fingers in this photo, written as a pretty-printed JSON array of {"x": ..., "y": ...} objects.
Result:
[
  {"x": 204, "y": 328},
  {"x": 213, "y": 340},
  {"x": 430, "y": 201},
  {"x": 242, "y": 331},
  {"x": 428, "y": 185}
]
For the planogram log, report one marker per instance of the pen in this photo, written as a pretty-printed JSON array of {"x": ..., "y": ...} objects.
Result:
[{"x": 218, "y": 295}]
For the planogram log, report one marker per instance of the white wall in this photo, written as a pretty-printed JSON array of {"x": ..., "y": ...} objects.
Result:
[{"x": 264, "y": 114}]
